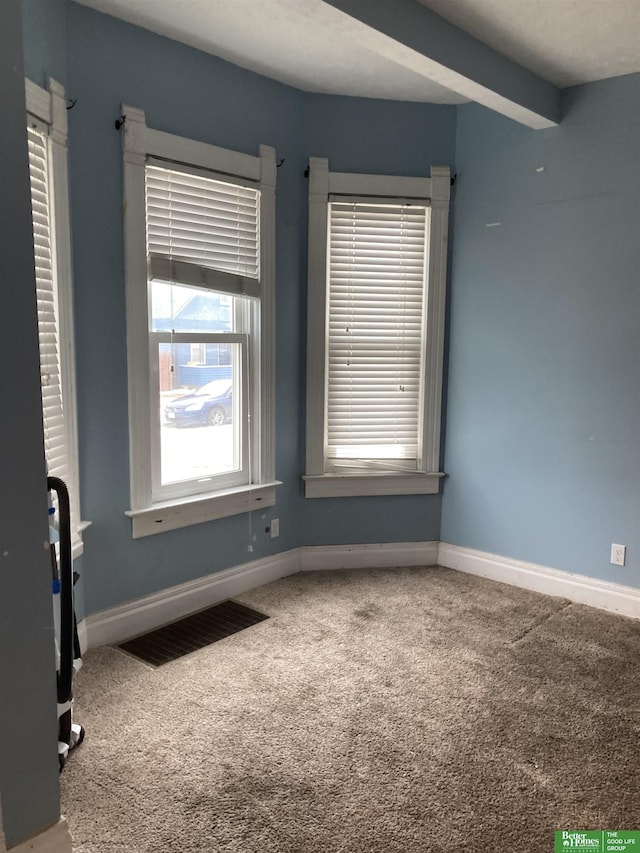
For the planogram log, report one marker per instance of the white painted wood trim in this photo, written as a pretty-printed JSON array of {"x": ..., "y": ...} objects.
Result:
[
  {"x": 186, "y": 511},
  {"x": 82, "y": 636},
  {"x": 317, "y": 314},
  {"x": 38, "y": 102},
  {"x": 64, "y": 282},
  {"x": 168, "y": 146},
  {"x": 386, "y": 186},
  {"x": 144, "y": 614},
  {"x": 318, "y": 481},
  {"x": 435, "y": 318},
  {"x": 55, "y": 839},
  {"x": 135, "y": 269},
  {"x": 264, "y": 412},
  {"x": 360, "y": 485},
  {"x": 139, "y": 141},
  {"x": 370, "y": 556},
  {"x": 579, "y": 588}
]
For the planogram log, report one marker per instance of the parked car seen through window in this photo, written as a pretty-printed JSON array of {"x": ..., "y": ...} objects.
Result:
[{"x": 210, "y": 405}]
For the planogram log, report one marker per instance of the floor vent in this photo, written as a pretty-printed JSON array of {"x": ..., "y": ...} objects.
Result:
[{"x": 192, "y": 633}]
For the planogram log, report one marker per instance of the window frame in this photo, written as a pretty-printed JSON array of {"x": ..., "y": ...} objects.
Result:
[
  {"x": 140, "y": 142},
  {"x": 323, "y": 184},
  {"x": 190, "y": 488},
  {"x": 47, "y": 113}
]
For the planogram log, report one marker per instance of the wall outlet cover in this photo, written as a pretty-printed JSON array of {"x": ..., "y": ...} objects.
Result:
[{"x": 618, "y": 554}]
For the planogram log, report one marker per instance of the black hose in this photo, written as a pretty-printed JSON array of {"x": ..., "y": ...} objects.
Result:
[{"x": 65, "y": 675}]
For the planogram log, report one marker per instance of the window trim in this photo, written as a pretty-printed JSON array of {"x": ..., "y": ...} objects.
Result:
[
  {"x": 47, "y": 109},
  {"x": 322, "y": 185},
  {"x": 138, "y": 143}
]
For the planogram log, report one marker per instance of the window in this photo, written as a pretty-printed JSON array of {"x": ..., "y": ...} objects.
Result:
[
  {"x": 377, "y": 278},
  {"x": 47, "y": 142},
  {"x": 199, "y": 254}
]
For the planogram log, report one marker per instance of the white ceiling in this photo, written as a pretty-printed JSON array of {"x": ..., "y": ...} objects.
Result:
[
  {"x": 564, "y": 41},
  {"x": 311, "y": 45}
]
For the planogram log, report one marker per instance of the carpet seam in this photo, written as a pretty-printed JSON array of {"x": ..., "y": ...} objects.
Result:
[{"x": 537, "y": 623}]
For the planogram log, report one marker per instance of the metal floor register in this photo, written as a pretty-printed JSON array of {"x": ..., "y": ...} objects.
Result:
[{"x": 192, "y": 633}]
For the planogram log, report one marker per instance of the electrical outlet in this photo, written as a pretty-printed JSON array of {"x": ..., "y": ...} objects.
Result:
[
  {"x": 618, "y": 554},
  {"x": 275, "y": 527}
]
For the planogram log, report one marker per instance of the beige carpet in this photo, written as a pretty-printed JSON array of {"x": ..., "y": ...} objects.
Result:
[{"x": 375, "y": 711}]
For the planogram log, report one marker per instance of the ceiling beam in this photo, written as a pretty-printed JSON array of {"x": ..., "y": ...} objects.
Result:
[{"x": 408, "y": 33}]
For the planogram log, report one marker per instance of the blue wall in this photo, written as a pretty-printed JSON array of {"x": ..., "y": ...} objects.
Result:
[
  {"x": 187, "y": 92},
  {"x": 541, "y": 454},
  {"x": 44, "y": 29},
  {"x": 543, "y": 413},
  {"x": 193, "y": 94},
  {"x": 543, "y": 420}
]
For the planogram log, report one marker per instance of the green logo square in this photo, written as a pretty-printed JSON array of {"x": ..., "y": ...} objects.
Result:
[{"x": 597, "y": 841}]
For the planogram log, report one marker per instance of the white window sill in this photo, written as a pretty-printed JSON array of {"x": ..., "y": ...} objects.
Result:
[
  {"x": 184, "y": 512},
  {"x": 77, "y": 545},
  {"x": 355, "y": 485}
]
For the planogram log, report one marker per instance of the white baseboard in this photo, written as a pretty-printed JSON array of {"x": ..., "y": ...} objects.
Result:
[
  {"x": 381, "y": 556},
  {"x": 604, "y": 595},
  {"x": 83, "y": 639},
  {"x": 120, "y": 623},
  {"x": 55, "y": 839},
  {"x": 144, "y": 614}
]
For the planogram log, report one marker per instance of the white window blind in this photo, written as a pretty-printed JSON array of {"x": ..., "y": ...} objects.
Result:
[
  {"x": 57, "y": 451},
  {"x": 202, "y": 231},
  {"x": 377, "y": 260}
]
